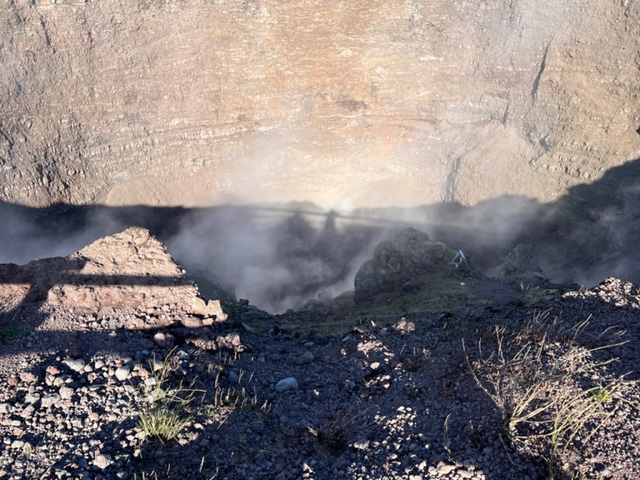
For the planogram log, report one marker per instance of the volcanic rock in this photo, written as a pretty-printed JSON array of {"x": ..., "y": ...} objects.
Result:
[
  {"x": 131, "y": 269},
  {"x": 408, "y": 255},
  {"x": 521, "y": 260},
  {"x": 285, "y": 384},
  {"x": 381, "y": 102}
]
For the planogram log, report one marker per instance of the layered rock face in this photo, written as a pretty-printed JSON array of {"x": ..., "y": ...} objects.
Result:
[
  {"x": 345, "y": 104},
  {"x": 130, "y": 269}
]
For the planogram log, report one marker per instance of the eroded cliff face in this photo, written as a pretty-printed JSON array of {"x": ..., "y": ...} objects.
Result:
[{"x": 346, "y": 104}]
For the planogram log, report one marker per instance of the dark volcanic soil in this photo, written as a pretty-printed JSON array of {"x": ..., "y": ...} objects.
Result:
[{"x": 381, "y": 391}]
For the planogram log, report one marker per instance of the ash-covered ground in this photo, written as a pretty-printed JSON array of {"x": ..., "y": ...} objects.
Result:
[{"x": 437, "y": 371}]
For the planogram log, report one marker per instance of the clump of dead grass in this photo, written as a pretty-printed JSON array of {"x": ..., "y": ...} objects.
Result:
[
  {"x": 171, "y": 406},
  {"x": 551, "y": 392},
  {"x": 336, "y": 433},
  {"x": 169, "y": 409}
]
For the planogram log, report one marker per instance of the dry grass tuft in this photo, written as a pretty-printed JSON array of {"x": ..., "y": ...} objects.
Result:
[
  {"x": 337, "y": 432},
  {"x": 552, "y": 394},
  {"x": 169, "y": 409}
]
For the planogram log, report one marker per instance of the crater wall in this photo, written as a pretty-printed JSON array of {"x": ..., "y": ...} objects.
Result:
[{"x": 345, "y": 104}]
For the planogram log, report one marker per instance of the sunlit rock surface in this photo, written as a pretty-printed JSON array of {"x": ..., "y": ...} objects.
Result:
[
  {"x": 344, "y": 104},
  {"x": 128, "y": 270}
]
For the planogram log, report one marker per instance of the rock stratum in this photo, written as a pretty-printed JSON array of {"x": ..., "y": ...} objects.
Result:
[
  {"x": 344, "y": 104},
  {"x": 130, "y": 269}
]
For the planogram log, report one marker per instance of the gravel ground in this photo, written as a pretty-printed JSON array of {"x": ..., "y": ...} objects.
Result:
[{"x": 387, "y": 400}]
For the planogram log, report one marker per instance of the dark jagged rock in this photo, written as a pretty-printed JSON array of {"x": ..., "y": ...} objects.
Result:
[
  {"x": 521, "y": 260},
  {"x": 408, "y": 255}
]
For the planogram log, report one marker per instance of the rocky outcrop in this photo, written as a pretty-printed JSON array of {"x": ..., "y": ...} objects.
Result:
[
  {"x": 389, "y": 102},
  {"x": 129, "y": 270},
  {"x": 522, "y": 260},
  {"x": 407, "y": 256}
]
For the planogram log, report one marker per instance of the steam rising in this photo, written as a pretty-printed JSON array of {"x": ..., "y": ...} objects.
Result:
[
  {"x": 281, "y": 256},
  {"x": 278, "y": 257},
  {"x": 42, "y": 233}
]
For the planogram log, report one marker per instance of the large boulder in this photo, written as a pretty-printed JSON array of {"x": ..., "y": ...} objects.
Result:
[
  {"x": 407, "y": 256},
  {"x": 521, "y": 260}
]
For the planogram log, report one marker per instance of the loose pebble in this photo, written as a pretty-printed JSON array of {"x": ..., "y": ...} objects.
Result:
[{"x": 285, "y": 384}]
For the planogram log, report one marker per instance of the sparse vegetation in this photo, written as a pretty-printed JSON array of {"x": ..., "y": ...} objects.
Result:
[
  {"x": 416, "y": 358},
  {"x": 336, "y": 433},
  {"x": 530, "y": 294},
  {"x": 7, "y": 333},
  {"x": 154, "y": 475},
  {"x": 163, "y": 422},
  {"x": 235, "y": 397},
  {"x": 169, "y": 409},
  {"x": 552, "y": 394}
]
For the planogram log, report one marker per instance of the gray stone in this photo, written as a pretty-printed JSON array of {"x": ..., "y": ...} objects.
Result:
[
  {"x": 49, "y": 400},
  {"x": 31, "y": 398},
  {"x": 182, "y": 355},
  {"x": 361, "y": 444},
  {"x": 28, "y": 411},
  {"x": 66, "y": 392},
  {"x": 103, "y": 461},
  {"x": 28, "y": 377},
  {"x": 77, "y": 365},
  {"x": 123, "y": 372},
  {"x": 163, "y": 339},
  {"x": 285, "y": 384},
  {"x": 191, "y": 322},
  {"x": 231, "y": 341},
  {"x": 17, "y": 444},
  {"x": 445, "y": 469}
]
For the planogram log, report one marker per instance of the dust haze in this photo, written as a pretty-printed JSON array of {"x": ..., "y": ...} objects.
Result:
[
  {"x": 282, "y": 256},
  {"x": 279, "y": 256}
]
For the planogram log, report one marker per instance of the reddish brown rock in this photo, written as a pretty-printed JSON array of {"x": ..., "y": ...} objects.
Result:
[{"x": 129, "y": 270}]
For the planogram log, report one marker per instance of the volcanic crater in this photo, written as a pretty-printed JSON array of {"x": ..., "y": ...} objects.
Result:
[{"x": 275, "y": 239}]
